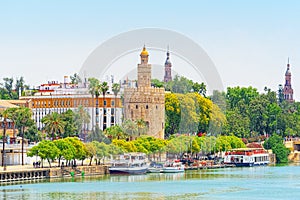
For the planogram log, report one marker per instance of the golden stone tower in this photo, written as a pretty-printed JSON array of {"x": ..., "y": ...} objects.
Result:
[{"x": 146, "y": 102}]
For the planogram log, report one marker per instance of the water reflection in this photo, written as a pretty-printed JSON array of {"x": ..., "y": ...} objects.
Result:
[{"x": 228, "y": 183}]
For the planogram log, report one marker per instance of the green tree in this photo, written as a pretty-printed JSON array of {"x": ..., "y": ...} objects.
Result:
[
  {"x": 33, "y": 134},
  {"x": 130, "y": 128},
  {"x": 104, "y": 88},
  {"x": 94, "y": 90},
  {"x": 142, "y": 126},
  {"x": 157, "y": 83},
  {"x": 70, "y": 128},
  {"x": 82, "y": 119},
  {"x": 172, "y": 114},
  {"x": 45, "y": 150},
  {"x": 54, "y": 124},
  {"x": 80, "y": 149},
  {"x": 199, "y": 88},
  {"x": 275, "y": 142},
  {"x": 115, "y": 132},
  {"x": 5, "y": 115},
  {"x": 101, "y": 151},
  {"x": 66, "y": 150},
  {"x": 91, "y": 151},
  {"x": 23, "y": 120},
  {"x": 116, "y": 89},
  {"x": 97, "y": 135},
  {"x": 75, "y": 79}
]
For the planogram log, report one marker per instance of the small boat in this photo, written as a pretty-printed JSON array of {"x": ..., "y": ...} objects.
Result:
[
  {"x": 247, "y": 157},
  {"x": 155, "y": 167},
  {"x": 173, "y": 167},
  {"x": 130, "y": 163}
]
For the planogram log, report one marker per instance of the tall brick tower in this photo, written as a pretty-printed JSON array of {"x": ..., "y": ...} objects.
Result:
[
  {"x": 168, "y": 66},
  {"x": 287, "y": 90},
  {"x": 146, "y": 102}
]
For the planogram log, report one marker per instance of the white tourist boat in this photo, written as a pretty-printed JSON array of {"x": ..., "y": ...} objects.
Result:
[
  {"x": 247, "y": 157},
  {"x": 130, "y": 163},
  {"x": 173, "y": 167}
]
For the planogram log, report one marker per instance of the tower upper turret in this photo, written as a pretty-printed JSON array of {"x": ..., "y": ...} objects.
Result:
[{"x": 144, "y": 56}]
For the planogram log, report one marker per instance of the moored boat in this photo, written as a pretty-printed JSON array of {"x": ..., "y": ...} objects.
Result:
[
  {"x": 130, "y": 163},
  {"x": 247, "y": 157},
  {"x": 155, "y": 167},
  {"x": 173, "y": 167}
]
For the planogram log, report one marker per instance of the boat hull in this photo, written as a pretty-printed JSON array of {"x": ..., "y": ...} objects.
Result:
[
  {"x": 128, "y": 170},
  {"x": 172, "y": 170},
  {"x": 154, "y": 170}
]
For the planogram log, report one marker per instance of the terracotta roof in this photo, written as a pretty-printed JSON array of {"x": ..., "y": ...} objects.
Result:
[{"x": 7, "y": 104}]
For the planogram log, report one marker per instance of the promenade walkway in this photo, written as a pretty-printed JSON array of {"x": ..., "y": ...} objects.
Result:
[{"x": 14, "y": 168}]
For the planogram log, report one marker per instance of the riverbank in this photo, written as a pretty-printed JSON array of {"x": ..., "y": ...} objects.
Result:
[{"x": 27, "y": 172}]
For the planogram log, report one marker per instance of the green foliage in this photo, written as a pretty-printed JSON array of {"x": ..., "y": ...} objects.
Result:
[
  {"x": 115, "y": 132},
  {"x": 70, "y": 126},
  {"x": 45, "y": 150},
  {"x": 80, "y": 150},
  {"x": 66, "y": 149},
  {"x": 157, "y": 83},
  {"x": 190, "y": 113},
  {"x": 54, "y": 124},
  {"x": 98, "y": 135},
  {"x": 33, "y": 134},
  {"x": 275, "y": 142}
]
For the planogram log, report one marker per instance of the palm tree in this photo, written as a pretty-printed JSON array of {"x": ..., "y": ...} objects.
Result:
[
  {"x": 93, "y": 82},
  {"x": 104, "y": 88},
  {"x": 5, "y": 116},
  {"x": 83, "y": 120},
  {"x": 97, "y": 94},
  {"x": 23, "y": 120},
  {"x": 116, "y": 90},
  {"x": 141, "y": 125},
  {"x": 53, "y": 124},
  {"x": 130, "y": 128}
]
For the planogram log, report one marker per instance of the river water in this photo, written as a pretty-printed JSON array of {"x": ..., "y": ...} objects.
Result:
[{"x": 268, "y": 182}]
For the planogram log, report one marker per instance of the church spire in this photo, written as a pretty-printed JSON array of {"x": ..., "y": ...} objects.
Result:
[
  {"x": 168, "y": 70},
  {"x": 287, "y": 90}
]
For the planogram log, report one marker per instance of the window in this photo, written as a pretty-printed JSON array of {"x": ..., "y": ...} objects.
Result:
[
  {"x": 105, "y": 102},
  {"x": 136, "y": 106},
  {"x": 112, "y": 111},
  {"x": 104, "y": 111},
  {"x": 112, "y": 120},
  {"x": 146, "y": 106},
  {"x": 112, "y": 102}
]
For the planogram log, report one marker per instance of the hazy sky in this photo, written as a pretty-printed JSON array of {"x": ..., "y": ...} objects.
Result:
[{"x": 249, "y": 41}]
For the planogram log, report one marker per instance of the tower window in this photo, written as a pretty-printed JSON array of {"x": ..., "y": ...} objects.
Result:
[
  {"x": 146, "y": 106},
  {"x": 136, "y": 106}
]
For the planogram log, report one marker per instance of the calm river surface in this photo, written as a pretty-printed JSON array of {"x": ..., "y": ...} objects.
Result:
[{"x": 269, "y": 182}]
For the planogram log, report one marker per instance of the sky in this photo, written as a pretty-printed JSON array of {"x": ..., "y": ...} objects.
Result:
[{"x": 249, "y": 41}]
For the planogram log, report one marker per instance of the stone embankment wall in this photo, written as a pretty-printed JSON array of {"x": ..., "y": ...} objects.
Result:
[
  {"x": 11, "y": 176},
  {"x": 56, "y": 172},
  {"x": 294, "y": 156},
  {"x": 79, "y": 171}
]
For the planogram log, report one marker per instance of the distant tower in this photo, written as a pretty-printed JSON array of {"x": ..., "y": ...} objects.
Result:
[
  {"x": 287, "y": 90},
  {"x": 145, "y": 102},
  {"x": 168, "y": 66}
]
